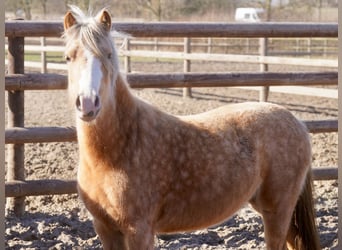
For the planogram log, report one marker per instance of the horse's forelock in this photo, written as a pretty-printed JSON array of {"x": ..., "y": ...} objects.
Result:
[{"x": 91, "y": 36}]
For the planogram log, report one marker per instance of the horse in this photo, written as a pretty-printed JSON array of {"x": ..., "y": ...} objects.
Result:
[{"x": 144, "y": 172}]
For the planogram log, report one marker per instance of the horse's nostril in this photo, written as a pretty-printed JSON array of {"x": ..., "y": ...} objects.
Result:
[
  {"x": 78, "y": 103},
  {"x": 97, "y": 101},
  {"x": 90, "y": 114},
  {"x": 87, "y": 107}
]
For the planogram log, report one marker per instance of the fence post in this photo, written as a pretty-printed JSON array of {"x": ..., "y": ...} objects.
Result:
[
  {"x": 187, "y": 65},
  {"x": 263, "y": 95},
  {"x": 15, "y": 153},
  {"x": 309, "y": 51},
  {"x": 325, "y": 47},
  {"x": 298, "y": 47},
  {"x": 247, "y": 45},
  {"x": 156, "y": 46},
  {"x": 43, "y": 55},
  {"x": 127, "y": 59},
  {"x": 210, "y": 45}
]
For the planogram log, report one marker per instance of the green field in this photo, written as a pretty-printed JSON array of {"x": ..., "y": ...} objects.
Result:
[{"x": 56, "y": 57}]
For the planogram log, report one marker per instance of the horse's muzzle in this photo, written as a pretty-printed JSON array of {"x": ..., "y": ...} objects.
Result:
[{"x": 87, "y": 107}]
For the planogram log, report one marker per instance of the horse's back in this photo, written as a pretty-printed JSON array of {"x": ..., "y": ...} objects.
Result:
[
  {"x": 260, "y": 112},
  {"x": 278, "y": 135},
  {"x": 263, "y": 120}
]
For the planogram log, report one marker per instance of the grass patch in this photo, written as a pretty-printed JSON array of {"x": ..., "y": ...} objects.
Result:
[
  {"x": 56, "y": 57},
  {"x": 150, "y": 59}
]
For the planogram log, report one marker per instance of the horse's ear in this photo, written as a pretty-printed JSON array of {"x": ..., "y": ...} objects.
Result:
[
  {"x": 69, "y": 20},
  {"x": 104, "y": 18}
]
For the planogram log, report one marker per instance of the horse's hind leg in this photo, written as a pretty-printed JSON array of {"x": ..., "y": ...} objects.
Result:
[
  {"x": 276, "y": 207},
  {"x": 276, "y": 227}
]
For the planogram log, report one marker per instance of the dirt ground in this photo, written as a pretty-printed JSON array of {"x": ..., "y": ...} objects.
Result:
[{"x": 61, "y": 221}]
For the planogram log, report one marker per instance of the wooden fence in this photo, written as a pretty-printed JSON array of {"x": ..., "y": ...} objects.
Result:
[
  {"x": 259, "y": 51},
  {"x": 321, "y": 47},
  {"x": 16, "y": 82},
  {"x": 294, "y": 47},
  {"x": 214, "y": 49},
  {"x": 131, "y": 49}
]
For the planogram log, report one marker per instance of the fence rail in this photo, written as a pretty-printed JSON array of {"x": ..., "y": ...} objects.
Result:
[
  {"x": 16, "y": 82},
  {"x": 36, "y": 81},
  {"x": 317, "y": 47},
  {"x": 178, "y": 29},
  {"x": 178, "y": 80},
  {"x": 19, "y": 135},
  {"x": 55, "y": 187},
  {"x": 39, "y": 187},
  {"x": 257, "y": 59}
]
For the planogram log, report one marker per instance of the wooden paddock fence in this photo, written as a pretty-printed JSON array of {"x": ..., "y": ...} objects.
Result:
[
  {"x": 16, "y": 82},
  {"x": 233, "y": 50}
]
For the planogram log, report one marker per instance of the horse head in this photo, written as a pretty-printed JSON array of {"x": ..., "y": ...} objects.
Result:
[{"x": 91, "y": 60}]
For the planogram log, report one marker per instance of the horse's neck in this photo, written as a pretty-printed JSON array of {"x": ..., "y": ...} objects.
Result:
[
  {"x": 125, "y": 102},
  {"x": 110, "y": 130}
]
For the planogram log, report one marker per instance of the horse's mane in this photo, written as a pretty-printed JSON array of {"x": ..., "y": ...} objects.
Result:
[{"x": 90, "y": 33}]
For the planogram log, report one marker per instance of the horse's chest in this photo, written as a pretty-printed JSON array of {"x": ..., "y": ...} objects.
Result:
[{"x": 101, "y": 191}]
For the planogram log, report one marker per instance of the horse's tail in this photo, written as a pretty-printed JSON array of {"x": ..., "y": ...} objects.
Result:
[{"x": 303, "y": 234}]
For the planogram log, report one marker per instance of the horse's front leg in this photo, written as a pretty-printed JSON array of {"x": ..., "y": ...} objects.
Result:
[
  {"x": 111, "y": 238},
  {"x": 143, "y": 242},
  {"x": 135, "y": 238},
  {"x": 141, "y": 237}
]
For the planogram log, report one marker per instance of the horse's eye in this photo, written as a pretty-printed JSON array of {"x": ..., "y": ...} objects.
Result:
[
  {"x": 109, "y": 55},
  {"x": 67, "y": 58}
]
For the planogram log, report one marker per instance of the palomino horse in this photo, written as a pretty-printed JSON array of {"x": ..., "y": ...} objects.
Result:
[{"x": 142, "y": 171}]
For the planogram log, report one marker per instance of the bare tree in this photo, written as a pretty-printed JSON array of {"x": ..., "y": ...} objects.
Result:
[
  {"x": 268, "y": 8},
  {"x": 26, "y": 6},
  {"x": 82, "y": 4},
  {"x": 43, "y": 3},
  {"x": 85, "y": 4},
  {"x": 152, "y": 6}
]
